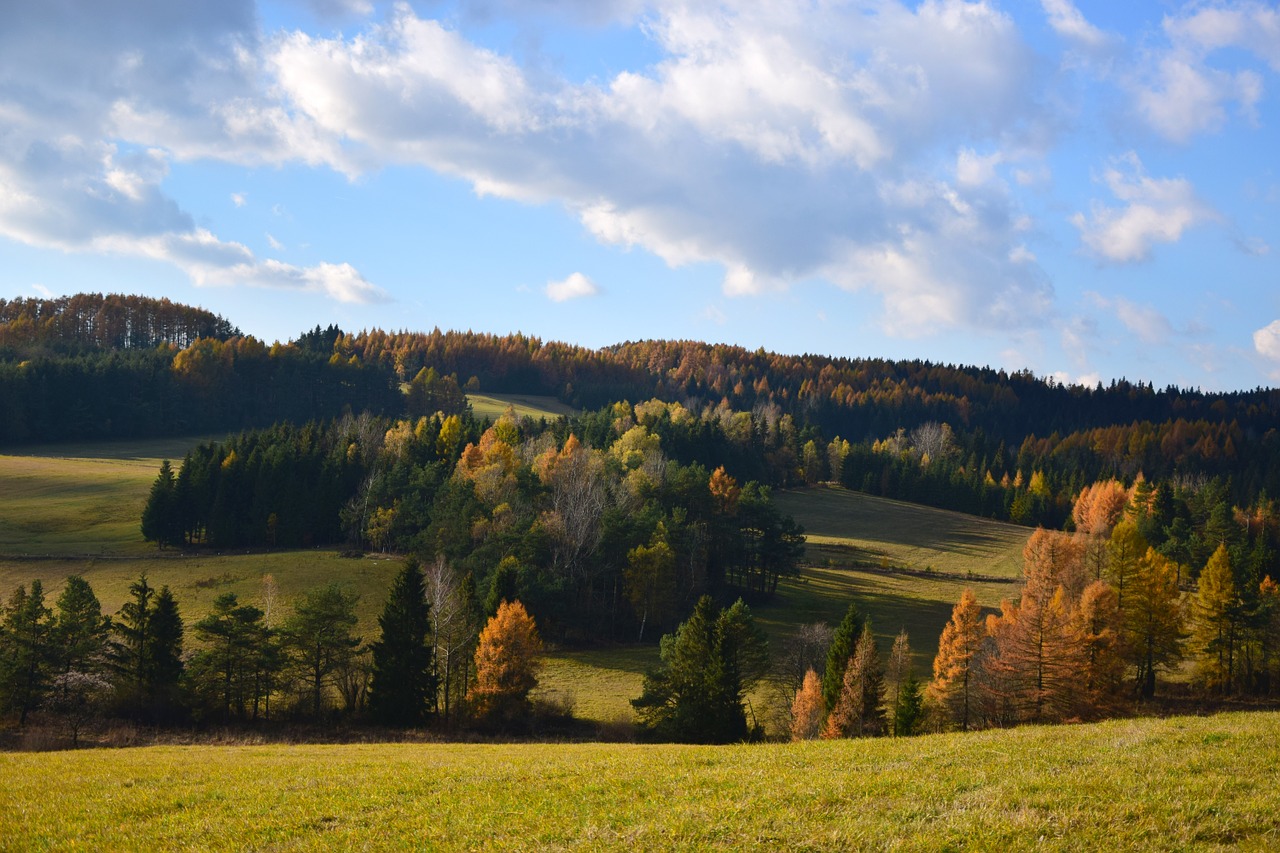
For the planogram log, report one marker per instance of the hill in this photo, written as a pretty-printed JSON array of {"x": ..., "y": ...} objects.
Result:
[
  {"x": 74, "y": 509},
  {"x": 1152, "y": 784}
]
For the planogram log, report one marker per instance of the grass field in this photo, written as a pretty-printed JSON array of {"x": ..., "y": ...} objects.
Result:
[
  {"x": 494, "y": 406},
  {"x": 1203, "y": 783},
  {"x": 80, "y": 504}
]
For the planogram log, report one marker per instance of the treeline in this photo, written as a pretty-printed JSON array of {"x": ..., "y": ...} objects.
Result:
[
  {"x": 90, "y": 322},
  {"x": 431, "y": 662},
  {"x": 602, "y": 535}
]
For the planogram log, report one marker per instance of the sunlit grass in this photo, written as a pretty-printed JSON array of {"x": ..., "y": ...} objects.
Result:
[
  {"x": 1173, "y": 784},
  {"x": 494, "y": 406}
]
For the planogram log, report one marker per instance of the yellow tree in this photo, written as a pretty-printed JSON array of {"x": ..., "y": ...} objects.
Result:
[
  {"x": 1096, "y": 628},
  {"x": 806, "y": 710},
  {"x": 953, "y": 668},
  {"x": 1125, "y": 549},
  {"x": 1153, "y": 620},
  {"x": 1217, "y": 613},
  {"x": 651, "y": 579},
  {"x": 506, "y": 666}
]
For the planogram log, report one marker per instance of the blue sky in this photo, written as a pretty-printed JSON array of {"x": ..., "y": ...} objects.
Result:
[{"x": 1087, "y": 190}]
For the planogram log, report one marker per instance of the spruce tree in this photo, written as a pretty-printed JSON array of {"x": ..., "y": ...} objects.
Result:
[
  {"x": 25, "y": 641},
  {"x": 838, "y": 655},
  {"x": 403, "y": 690}
]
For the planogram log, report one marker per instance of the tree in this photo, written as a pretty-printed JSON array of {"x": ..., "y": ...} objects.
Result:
[
  {"x": 1153, "y": 620},
  {"x": 318, "y": 638},
  {"x": 807, "y": 710},
  {"x": 450, "y": 601},
  {"x": 403, "y": 689},
  {"x": 953, "y": 668},
  {"x": 651, "y": 579},
  {"x": 164, "y": 657},
  {"x": 1097, "y": 628},
  {"x": 80, "y": 629},
  {"x": 1217, "y": 619},
  {"x": 506, "y": 667},
  {"x": 1125, "y": 551},
  {"x": 232, "y": 673},
  {"x": 858, "y": 712},
  {"x": 696, "y": 695},
  {"x": 161, "y": 517},
  {"x": 77, "y": 698},
  {"x": 899, "y": 678},
  {"x": 25, "y": 641},
  {"x": 839, "y": 653},
  {"x": 909, "y": 709}
]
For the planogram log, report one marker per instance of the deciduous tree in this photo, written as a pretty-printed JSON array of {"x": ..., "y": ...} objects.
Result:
[
  {"x": 506, "y": 667},
  {"x": 953, "y": 668},
  {"x": 807, "y": 710}
]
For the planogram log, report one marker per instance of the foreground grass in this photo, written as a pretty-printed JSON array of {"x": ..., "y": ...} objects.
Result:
[{"x": 1173, "y": 784}]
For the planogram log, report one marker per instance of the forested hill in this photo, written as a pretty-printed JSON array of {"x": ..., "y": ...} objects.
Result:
[{"x": 120, "y": 366}]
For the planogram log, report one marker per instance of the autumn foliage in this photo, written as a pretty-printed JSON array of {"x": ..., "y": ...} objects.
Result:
[{"x": 506, "y": 666}]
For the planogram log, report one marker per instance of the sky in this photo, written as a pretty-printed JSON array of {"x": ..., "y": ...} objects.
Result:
[{"x": 1086, "y": 190}]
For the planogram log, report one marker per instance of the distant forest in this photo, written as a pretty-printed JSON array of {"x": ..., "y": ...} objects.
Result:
[{"x": 983, "y": 441}]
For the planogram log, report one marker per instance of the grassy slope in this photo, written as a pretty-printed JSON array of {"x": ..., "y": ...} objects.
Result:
[
  {"x": 86, "y": 500},
  {"x": 494, "y": 406},
  {"x": 1174, "y": 784}
]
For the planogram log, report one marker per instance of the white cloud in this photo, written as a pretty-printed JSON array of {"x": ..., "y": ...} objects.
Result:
[
  {"x": 1154, "y": 210},
  {"x": 1068, "y": 22},
  {"x": 1144, "y": 321},
  {"x": 1267, "y": 341},
  {"x": 239, "y": 199},
  {"x": 43, "y": 291},
  {"x": 575, "y": 286},
  {"x": 275, "y": 244}
]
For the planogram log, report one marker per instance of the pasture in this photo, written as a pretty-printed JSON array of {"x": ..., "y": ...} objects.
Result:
[
  {"x": 494, "y": 406},
  {"x": 74, "y": 510},
  {"x": 1190, "y": 783}
]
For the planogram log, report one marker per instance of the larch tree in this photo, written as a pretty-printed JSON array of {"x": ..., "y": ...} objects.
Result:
[
  {"x": 1218, "y": 616},
  {"x": 952, "y": 686},
  {"x": 403, "y": 688},
  {"x": 858, "y": 711},
  {"x": 1153, "y": 620},
  {"x": 1125, "y": 550},
  {"x": 1042, "y": 656},
  {"x": 1097, "y": 628},
  {"x": 807, "y": 710},
  {"x": 506, "y": 667}
]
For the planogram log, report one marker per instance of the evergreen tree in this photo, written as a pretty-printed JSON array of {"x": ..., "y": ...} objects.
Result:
[
  {"x": 231, "y": 673},
  {"x": 25, "y": 642},
  {"x": 403, "y": 691},
  {"x": 81, "y": 631},
  {"x": 147, "y": 652},
  {"x": 161, "y": 517},
  {"x": 165, "y": 657},
  {"x": 843, "y": 643},
  {"x": 909, "y": 708},
  {"x": 858, "y": 711},
  {"x": 318, "y": 638}
]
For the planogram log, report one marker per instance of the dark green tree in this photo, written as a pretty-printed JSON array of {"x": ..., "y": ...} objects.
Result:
[
  {"x": 162, "y": 515},
  {"x": 146, "y": 653},
  {"x": 80, "y": 630},
  {"x": 26, "y": 649},
  {"x": 164, "y": 658},
  {"x": 696, "y": 695},
  {"x": 403, "y": 690},
  {"x": 231, "y": 674},
  {"x": 318, "y": 639},
  {"x": 843, "y": 645}
]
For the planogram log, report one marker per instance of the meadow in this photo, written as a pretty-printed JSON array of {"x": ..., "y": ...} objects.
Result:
[
  {"x": 494, "y": 406},
  {"x": 1191, "y": 783},
  {"x": 74, "y": 509}
]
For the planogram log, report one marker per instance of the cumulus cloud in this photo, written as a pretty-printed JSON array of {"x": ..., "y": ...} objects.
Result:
[
  {"x": 1152, "y": 210},
  {"x": 1068, "y": 22},
  {"x": 575, "y": 286},
  {"x": 1267, "y": 341},
  {"x": 775, "y": 140}
]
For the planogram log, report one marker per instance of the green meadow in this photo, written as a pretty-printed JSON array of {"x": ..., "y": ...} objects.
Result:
[
  {"x": 1191, "y": 783},
  {"x": 75, "y": 509},
  {"x": 494, "y": 406}
]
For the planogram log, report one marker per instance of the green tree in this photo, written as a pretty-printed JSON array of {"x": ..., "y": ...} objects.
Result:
[
  {"x": 318, "y": 638},
  {"x": 696, "y": 694},
  {"x": 25, "y": 643},
  {"x": 161, "y": 517},
  {"x": 230, "y": 673},
  {"x": 1218, "y": 616},
  {"x": 858, "y": 711},
  {"x": 164, "y": 657},
  {"x": 81, "y": 631},
  {"x": 840, "y": 652},
  {"x": 403, "y": 690},
  {"x": 650, "y": 579}
]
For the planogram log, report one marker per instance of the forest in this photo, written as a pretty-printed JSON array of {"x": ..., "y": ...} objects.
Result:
[{"x": 646, "y": 513}]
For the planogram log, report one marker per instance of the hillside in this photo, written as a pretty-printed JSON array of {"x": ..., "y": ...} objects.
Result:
[
  {"x": 1152, "y": 784},
  {"x": 74, "y": 509}
]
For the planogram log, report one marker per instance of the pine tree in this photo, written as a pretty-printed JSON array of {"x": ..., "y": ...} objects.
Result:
[
  {"x": 506, "y": 667},
  {"x": 953, "y": 668},
  {"x": 807, "y": 710},
  {"x": 843, "y": 643},
  {"x": 318, "y": 638},
  {"x": 165, "y": 657},
  {"x": 909, "y": 709},
  {"x": 161, "y": 517},
  {"x": 229, "y": 672},
  {"x": 403, "y": 691},
  {"x": 81, "y": 631}
]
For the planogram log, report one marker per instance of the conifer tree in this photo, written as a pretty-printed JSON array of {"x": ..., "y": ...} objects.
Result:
[
  {"x": 403, "y": 690},
  {"x": 897, "y": 674},
  {"x": 1096, "y": 628},
  {"x": 506, "y": 667},
  {"x": 1153, "y": 620},
  {"x": 80, "y": 630},
  {"x": 858, "y": 711},
  {"x": 165, "y": 657},
  {"x": 843, "y": 644},
  {"x": 953, "y": 668},
  {"x": 1217, "y": 613},
  {"x": 25, "y": 651},
  {"x": 807, "y": 709},
  {"x": 909, "y": 709},
  {"x": 318, "y": 638}
]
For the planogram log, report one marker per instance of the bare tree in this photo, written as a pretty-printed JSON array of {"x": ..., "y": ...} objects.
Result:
[{"x": 454, "y": 631}]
